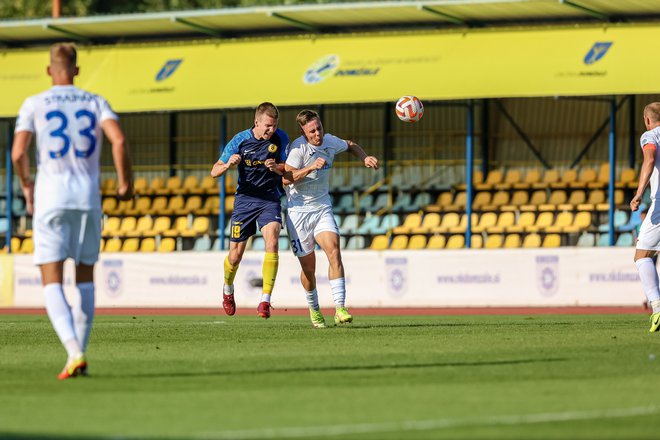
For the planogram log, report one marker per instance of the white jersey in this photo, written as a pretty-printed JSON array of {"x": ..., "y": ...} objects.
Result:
[
  {"x": 653, "y": 137},
  {"x": 67, "y": 123},
  {"x": 311, "y": 193}
]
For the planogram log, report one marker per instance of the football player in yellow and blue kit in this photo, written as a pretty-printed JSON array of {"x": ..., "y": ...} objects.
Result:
[{"x": 259, "y": 153}]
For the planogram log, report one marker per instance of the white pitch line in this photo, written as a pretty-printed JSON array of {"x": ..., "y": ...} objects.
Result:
[{"x": 426, "y": 425}]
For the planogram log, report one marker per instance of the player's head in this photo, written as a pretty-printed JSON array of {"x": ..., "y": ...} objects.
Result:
[
  {"x": 63, "y": 59},
  {"x": 265, "y": 120},
  {"x": 652, "y": 115},
  {"x": 311, "y": 126}
]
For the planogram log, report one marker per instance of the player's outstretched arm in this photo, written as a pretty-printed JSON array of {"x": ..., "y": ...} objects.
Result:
[
  {"x": 357, "y": 151},
  {"x": 644, "y": 177},
  {"x": 219, "y": 168},
  {"x": 121, "y": 158},
  {"x": 293, "y": 175},
  {"x": 21, "y": 161}
]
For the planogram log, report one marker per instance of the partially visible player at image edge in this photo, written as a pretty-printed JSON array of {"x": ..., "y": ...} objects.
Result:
[{"x": 69, "y": 124}]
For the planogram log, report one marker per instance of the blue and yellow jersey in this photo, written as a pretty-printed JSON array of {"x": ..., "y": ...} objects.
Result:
[{"x": 254, "y": 179}]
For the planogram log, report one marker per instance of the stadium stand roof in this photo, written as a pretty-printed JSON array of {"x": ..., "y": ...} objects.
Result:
[{"x": 343, "y": 17}]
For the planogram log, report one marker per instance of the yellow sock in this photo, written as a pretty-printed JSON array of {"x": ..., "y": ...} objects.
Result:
[
  {"x": 271, "y": 261},
  {"x": 230, "y": 272}
]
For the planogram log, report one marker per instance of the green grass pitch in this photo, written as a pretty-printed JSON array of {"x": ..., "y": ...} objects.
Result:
[{"x": 457, "y": 377}]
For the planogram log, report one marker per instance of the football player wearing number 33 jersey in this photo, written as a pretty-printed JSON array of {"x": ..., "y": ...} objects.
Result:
[{"x": 69, "y": 124}]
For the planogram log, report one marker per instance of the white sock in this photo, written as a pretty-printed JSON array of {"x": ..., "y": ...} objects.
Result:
[
  {"x": 265, "y": 297},
  {"x": 83, "y": 313},
  {"x": 649, "y": 277},
  {"x": 338, "y": 288},
  {"x": 60, "y": 316},
  {"x": 313, "y": 299},
  {"x": 228, "y": 289}
]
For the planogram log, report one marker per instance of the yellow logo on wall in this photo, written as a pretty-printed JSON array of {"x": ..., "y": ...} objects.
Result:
[{"x": 272, "y": 148}]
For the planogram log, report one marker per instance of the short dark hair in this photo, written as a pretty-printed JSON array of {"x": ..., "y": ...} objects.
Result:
[
  {"x": 652, "y": 111},
  {"x": 267, "y": 108},
  {"x": 64, "y": 54},
  {"x": 305, "y": 116}
]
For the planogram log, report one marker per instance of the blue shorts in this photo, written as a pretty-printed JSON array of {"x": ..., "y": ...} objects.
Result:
[{"x": 250, "y": 211}]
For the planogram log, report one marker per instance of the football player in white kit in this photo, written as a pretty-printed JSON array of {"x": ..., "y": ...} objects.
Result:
[
  {"x": 309, "y": 207},
  {"x": 648, "y": 241},
  {"x": 65, "y": 200}
]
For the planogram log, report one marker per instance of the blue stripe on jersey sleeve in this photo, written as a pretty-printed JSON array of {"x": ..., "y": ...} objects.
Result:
[
  {"x": 285, "y": 142},
  {"x": 233, "y": 147}
]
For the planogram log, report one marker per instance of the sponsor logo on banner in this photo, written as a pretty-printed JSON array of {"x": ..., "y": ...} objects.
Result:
[
  {"x": 329, "y": 66},
  {"x": 396, "y": 271},
  {"x": 168, "y": 69},
  {"x": 547, "y": 274},
  {"x": 113, "y": 271},
  {"x": 597, "y": 51}
]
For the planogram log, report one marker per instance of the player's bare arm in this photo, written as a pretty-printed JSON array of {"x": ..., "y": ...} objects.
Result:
[
  {"x": 272, "y": 165},
  {"x": 21, "y": 160},
  {"x": 120, "y": 157},
  {"x": 220, "y": 168},
  {"x": 644, "y": 176},
  {"x": 357, "y": 151},
  {"x": 293, "y": 175}
]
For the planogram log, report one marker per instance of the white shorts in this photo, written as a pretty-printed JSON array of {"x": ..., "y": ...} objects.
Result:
[
  {"x": 649, "y": 233},
  {"x": 304, "y": 226},
  {"x": 68, "y": 233}
]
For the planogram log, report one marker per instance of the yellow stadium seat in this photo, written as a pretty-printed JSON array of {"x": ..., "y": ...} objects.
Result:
[
  {"x": 532, "y": 177},
  {"x": 549, "y": 178},
  {"x": 112, "y": 245},
  {"x": 27, "y": 246},
  {"x": 512, "y": 241},
  {"x": 581, "y": 222},
  {"x": 158, "y": 205},
  {"x": 618, "y": 201},
  {"x": 102, "y": 245},
  {"x": 201, "y": 225},
  {"x": 431, "y": 220},
  {"x": 518, "y": 199},
  {"x": 557, "y": 197},
  {"x": 436, "y": 242},
  {"x": 191, "y": 185},
  {"x": 148, "y": 245},
  {"x": 511, "y": 178},
  {"x": 504, "y": 221},
  {"x": 544, "y": 220},
  {"x": 603, "y": 177},
  {"x": 538, "y": 198},
  {"x": 109, "y": 187},
  {"x": 379, "y": 243},
  {"x": 411, "y": 221},
  {"x": 130, "y": 245},
  {"x": 552, "y": 241},
  {"x": 567, "y": 177},
  {"x": 128, "y": 225},
  {"x": 444, "y": 199},
  {"x": 141, "y": 206},
  {"x": 577, "y": 197},
  {"x": 229, "y": 204},
  {"x": 211, "y": 206},
  {"x": 175, "y": 203},
  {"x": 209, "y": 185},
  {"x": 456, "y": 242},
  {"x": 494, "y": 177},
  {"x": 144, "y": 224},
  {"x": 449, "y": 220},
  {"x": 563, "y": 220},
  {"x": 399, "y": 242},
  {"x": 462, "y": 225},
  {"x": 486, "y": 220},
  {"x": 587, "y": 176},
  {"x": 596, "y": 197},
  {"x": 109, "y": 205},
  {"x": 459, "y": 203},
  {"x": 161, "y": 224},
  {"x": 111, "y": 226},
  {"x": 193, "y": 203},
  {"x": 628, "y": 179},
  {"x": 157, "y": 184},
  {"x": 141, "y": 185},
  {"x": 532, "y": 241},
  {"x": 500, "y": 199},
  {"x": 476, "y": 241},
  {"x": 481, "y": 199},
  {"x": 15, "y": 244},
  {"x": 417, "y": 242},
  {"x": 494, "y": 241},
  {"x": 179, "y": 228},
  {"x": 172, "y": 186},
  {"x": 525, "y": 220},
  {"x": 167, "y": 244},
  {"x": 477, "y": 177},
  {"x": 121, "y": 208}
]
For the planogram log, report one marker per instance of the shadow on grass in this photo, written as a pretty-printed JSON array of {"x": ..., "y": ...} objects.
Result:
[{"x": 315, "y": 369}]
